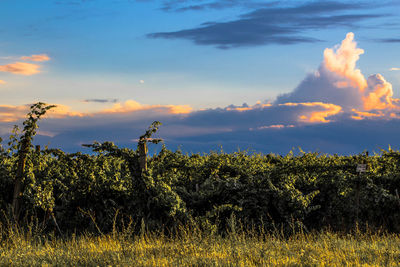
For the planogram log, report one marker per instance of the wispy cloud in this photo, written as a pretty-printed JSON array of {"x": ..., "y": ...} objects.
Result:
[
  {"x": 394, "y": 69},
  {"x": 192, "y": 5},
  {"x": 39, "y": 58},
  {"x": 2, "y": 82},
  {"x": 276, "y": 25},
  {"x": 21, "y": 68},
  {"x": 97, "y": 100},
  {"x": 131, "y": 106},
  {"x": 274, "y": 126},
  {"x": 25, "y": 68},
  {"x": 388, "y": 40}
]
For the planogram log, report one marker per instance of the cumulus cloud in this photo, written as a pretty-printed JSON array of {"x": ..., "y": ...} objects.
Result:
[
  {"x": 338, "y": 81},
  {"x": 21, "y": 68},
  {"x": 39, "y": 58},
  {"x": 379, "y": 95},
  {"x": 342, "y": 62}
]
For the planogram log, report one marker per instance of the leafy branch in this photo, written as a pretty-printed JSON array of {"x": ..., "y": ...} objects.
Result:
[{"x": 24, "y": 145}]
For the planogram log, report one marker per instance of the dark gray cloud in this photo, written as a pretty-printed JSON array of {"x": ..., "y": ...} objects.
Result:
[
  {"x": 388, "y": 40},
  {"x": 97, "y": 100},
  {"x": 72, "y": 2},
  {"x": 276, "y": 24},
  {"x": 191, "y": 5},
  {"x": 344, "y": 137}
]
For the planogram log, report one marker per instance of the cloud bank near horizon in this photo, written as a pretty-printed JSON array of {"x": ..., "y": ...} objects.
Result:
[{"x": 334, "y": 101}]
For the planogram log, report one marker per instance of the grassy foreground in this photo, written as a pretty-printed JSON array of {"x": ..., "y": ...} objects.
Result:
[{"x": 193, "y": 248}]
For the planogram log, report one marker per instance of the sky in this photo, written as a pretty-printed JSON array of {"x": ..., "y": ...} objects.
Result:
[{"x": 263, "y": 76}]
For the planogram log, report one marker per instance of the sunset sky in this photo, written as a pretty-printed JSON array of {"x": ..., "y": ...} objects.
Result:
[{"x": 267, "y": 76}]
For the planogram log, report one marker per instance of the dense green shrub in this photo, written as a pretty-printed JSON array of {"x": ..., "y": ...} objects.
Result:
[{"x": 308, "y": 190}]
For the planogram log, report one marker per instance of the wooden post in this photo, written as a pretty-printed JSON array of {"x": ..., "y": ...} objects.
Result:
[
  {"x": 361, "y": 168},
  {"x": 18, "y": 180},
  {"x": 358, "y": 196},
  {"x": 397, "y": 196},
  {"x": 143, "y": 156}
]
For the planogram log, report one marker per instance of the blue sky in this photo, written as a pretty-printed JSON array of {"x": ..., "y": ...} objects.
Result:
[{"x": 192, "y": 65}]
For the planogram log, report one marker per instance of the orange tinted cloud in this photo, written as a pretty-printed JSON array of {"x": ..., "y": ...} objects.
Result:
[
  {"x": 39, "y": 58},
  {"x": 131, "y": 106},
  {"x": 2, "y": 82},
  {"x": 343, "y": 62},
  {"x": 309, "y": 112},
  {"x": 241, "y": 108},
  {"x": 375, "y": 92},
  {"x": 10, "y": 113},
  {"x": 179, "y": 109},
  {"x": 62, "y": 111},
  {"x": 360, "y": 115},
  {"x": 21, "y": 68},
  {"x": 340, "y": 82},
  {"x": 323, "y": 110},
  {"x": 379, "y": 95}
]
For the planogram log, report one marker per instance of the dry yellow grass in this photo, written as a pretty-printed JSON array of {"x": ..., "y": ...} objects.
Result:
[{"x": 194, "y": 248}]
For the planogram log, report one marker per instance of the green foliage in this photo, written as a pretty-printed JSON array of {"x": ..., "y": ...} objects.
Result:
[
  {"x": 23, "y": 147},
  {"x": 310, "y": 190},
  {"x": 37, "y": 110},
  {"x": 146, "y": 137}
]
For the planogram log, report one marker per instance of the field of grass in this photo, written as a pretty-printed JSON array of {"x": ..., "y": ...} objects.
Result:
[{"x": 195, "y": 248}]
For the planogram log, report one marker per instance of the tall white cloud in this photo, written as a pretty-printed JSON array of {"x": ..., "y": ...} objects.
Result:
[{"x": 340, "y": 82}]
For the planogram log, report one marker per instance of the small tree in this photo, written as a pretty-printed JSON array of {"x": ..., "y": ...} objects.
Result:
[
  {"x": 142, "y": 144},
  {"x": 24, "y": 146}
]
